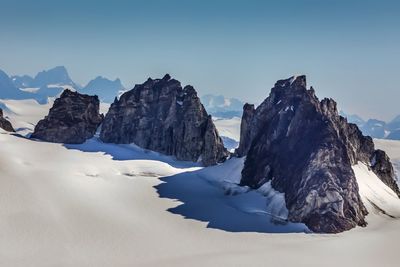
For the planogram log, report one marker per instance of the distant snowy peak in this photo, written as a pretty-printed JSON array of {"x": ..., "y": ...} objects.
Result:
[
  {"x": 353, "y": 118},
  {"x": 55, "y": 76},
  {"x": 47, "y": 83},
  {"x": 220, "y": 106},
  {"x": 394, "y": 125},
  {"x": 106, "y": 89}
]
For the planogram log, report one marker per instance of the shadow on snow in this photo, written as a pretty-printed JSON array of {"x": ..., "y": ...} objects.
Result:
[
  {"x": 205, "y": 201},
  {"x": 127, "y": 152}
]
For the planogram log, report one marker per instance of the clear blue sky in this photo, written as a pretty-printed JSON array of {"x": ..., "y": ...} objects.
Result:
[{"x": 350, "y": 50}]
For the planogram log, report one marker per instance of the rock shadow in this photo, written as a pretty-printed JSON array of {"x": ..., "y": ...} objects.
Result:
[
  {"x": 128, "y": 152},
  {"x": 205, "y": 201}
]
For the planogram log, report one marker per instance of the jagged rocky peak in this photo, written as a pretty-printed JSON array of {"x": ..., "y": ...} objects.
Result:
[
  {"x": 162, "y": 116},
  {"x": 73, "y": 119},
  {"x": 4, "y": 123},
  {"x": 307, "y": 150},
  {"x": 245, "y": 136}
]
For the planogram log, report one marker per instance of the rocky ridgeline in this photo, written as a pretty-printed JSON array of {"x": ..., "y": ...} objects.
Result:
[
  {"x": 73, "y": 119},
  {"x": 162, "y": 116},
  {"x": 5, "y": 124},
  {"x": 306, "y": 150}
]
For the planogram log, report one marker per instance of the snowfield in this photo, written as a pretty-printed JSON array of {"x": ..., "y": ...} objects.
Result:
[
  {"x": 228, "y": 127},
  {"x": 100, "y": 204}
]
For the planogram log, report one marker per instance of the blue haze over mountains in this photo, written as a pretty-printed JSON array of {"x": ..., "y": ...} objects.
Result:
[{"x": 50, "y": 83}]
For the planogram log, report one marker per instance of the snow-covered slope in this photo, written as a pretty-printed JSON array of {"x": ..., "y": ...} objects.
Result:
[
  {"x": 376, "y": 196},
  {"x": 25, "y": 114},
  {"x": 101, "y": 204},
  {"x": 229, "y": 130}
]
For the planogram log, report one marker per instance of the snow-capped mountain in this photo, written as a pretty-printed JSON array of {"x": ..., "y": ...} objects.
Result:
[
  {"x": 47, "y": 83},
  {"x": 8, "y": 90},
  {"x": 104, "y": 88},
  {"x": 50, "y": 83},
  {"x": 222, "y": 107},
  {"x": 53, "y": 77}
]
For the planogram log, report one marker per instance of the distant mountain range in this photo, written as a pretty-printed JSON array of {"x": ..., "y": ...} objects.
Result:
[
  {"x": 377, "y": 128},
  {"x": 50, "y": 83},
  {"x": 222, "y": 107},
  {"x": 106, "y": 89}
]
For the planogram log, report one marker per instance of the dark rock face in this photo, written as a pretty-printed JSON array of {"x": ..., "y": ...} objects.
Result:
[
  {"x": 5, "y": 124},
  {"x": 159, "y": 115},
  {"x": 245, "y": 130},
  {"x": 73, "y": 119},
  {"x": 381, "y": 165},
  {"x": 306, "y": 150}
]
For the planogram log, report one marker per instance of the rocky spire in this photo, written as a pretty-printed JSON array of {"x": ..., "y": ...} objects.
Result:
[
  {"x": 4, "y": 123},
  {"x": 162, "y": 116},
  {"x": 245, "y": 130},
  {"x": 73, "y": 119},
  {"x": 306, "y": 150}
]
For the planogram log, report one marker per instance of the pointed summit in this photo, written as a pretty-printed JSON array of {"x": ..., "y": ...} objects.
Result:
[
  {"x": 162, "y": 116},
  {"x": 296, "y": 81},
  {"x": 304, "y": 149},
  {"x": 104, "y": 88},
  {"x": 55, "y": 76}
]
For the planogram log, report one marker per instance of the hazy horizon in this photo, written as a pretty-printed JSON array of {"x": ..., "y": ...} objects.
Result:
[{"x": 347, "y": 49}]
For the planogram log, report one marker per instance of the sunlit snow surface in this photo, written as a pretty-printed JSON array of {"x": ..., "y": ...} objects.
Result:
[
  {"x": 101, "y": 204},
  {"x": 376, "y": 196}
]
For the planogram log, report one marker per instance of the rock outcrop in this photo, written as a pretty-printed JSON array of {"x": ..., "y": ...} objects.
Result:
[
  {"x": 382, "y": 166},
  {"x": 306, "y": 150},
  {"x": 5, "y": 124},
  {"x": 73, "y": 119},
  {"x": 245, "y": 131},
  {"x": 159, "y": 115}
]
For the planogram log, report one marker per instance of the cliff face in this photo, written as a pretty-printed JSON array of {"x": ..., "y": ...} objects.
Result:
[
  {"x": 73, "y": 119},
  {"x": 5, "y": 124},
  {"x": 306, "y": 150},
  {"x": 162, "y": 116}
]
